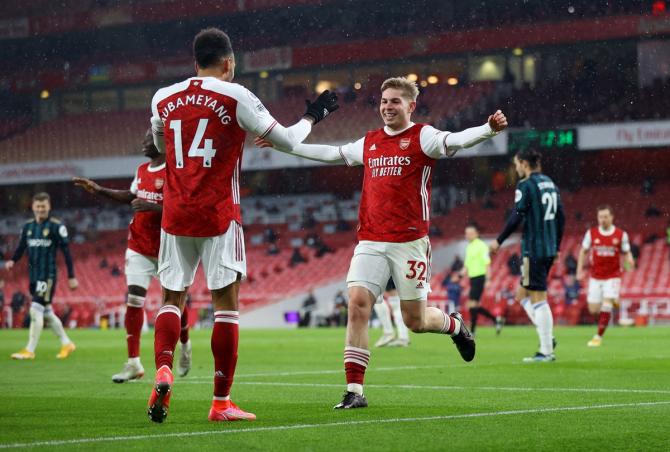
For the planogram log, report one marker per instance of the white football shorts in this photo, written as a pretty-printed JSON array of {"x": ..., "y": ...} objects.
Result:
[
  {"x": 600, "y": 289},
  {"x": 223, "y": 257},
  {"x": 140, "y": 269},
  {"x": 408, "y": 263}
]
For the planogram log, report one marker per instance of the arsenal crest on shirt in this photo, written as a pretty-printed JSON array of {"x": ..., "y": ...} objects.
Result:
[
  {"x": 404, "y": 143},
  {"x": 158, "y": 183}
]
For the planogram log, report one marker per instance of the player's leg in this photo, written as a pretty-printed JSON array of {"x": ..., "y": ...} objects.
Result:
[
  {"x": 368, "y": 274},
  {"x": 139, "y": 271},
  {"x": 410, "y": 269},
  {"x": 403, "y": 331},
  {"x": 596, "y": 306},
  {"x": 224, "y": 262},
  {"x": 383, "y": 312},
  {"x": 362, "y": 297},
  {"x": 544, "y": 321},
  {"x": 37, "y": 291},
  {"x": 186, "y": 348},
  {"x": 67, "y": 346},
  {"x": 610, "y": 295},
  {"x": 178, "y": 260},
  {"x": 522, "y": 294}
]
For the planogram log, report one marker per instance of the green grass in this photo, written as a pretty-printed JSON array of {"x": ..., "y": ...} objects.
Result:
[{"x": 50, "y": 400}]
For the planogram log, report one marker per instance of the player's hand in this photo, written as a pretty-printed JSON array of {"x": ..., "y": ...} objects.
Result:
[
  {"x": 9, "y": 264},
  {"x": 497, "y": 121},
  {"x": 325, "y": 104},
  {"x": 73, "y": 283},
  {"x": 557, "y": 258},
  {"x": 630, "y": 263},
  {"x": 580, "y": 274},
  {"x": 86, "y": 184},
  {"x": 494, "y": 246},
  {"x": 262, "y": 143},
  {"x": 140, "y": 205}
]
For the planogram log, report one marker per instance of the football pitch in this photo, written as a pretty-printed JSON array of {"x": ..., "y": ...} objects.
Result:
[{"x": 423, "y": 397}]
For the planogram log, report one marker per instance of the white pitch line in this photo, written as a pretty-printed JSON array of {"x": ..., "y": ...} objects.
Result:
[
  {"x": 67, "y": 442},
  {"x": 449, "y": 388}
]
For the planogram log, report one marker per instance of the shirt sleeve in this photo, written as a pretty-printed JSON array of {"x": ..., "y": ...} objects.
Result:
[
  {"x": 586, "y": 243},
  {"x": 352, "y": 153},
  {"x": 22, "y": 245},
  {"x": 134, "y": 184},
  {"x": 252, "y": 115},
  {"x": 521, "y": 198},
  {"x": 432, "y": 142},
  {"x": 625, "y": 243}
]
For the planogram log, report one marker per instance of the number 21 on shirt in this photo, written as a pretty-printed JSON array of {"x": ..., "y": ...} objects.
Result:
[{"x": 207, "y": 152}]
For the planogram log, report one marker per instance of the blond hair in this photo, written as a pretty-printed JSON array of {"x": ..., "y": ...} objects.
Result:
[{"x": 408, "y": 88}]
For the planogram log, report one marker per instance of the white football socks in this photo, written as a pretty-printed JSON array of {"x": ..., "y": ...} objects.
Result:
[
  {"x": 403, "y": 332},
  {"x": 528, "y": 307},
  {"x": 384, "y": 316},
  {"x": 56, "y": 325},
  {"x": 36, "y": 326},
  {"x": 544, "y": 323}
]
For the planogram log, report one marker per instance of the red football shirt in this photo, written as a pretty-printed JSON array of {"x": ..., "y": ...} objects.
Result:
[
  {"x": 606, "y": 248},
  {"x": 144, "y": 232},
  {"x": 205, "y": 121},
  {"x": 395, "y": 201}
]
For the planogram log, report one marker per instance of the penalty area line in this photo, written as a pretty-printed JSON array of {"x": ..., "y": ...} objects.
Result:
[{"x": 66, "y": 442}]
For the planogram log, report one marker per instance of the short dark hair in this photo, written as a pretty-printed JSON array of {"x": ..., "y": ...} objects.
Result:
[
  {"x": 41, "y": 196},
  {"x": 210, "y": 46},
  {"x": 473, "y": 226},
  {"x": 531, "y": 156},
  {"x": 605, "y": 207}
]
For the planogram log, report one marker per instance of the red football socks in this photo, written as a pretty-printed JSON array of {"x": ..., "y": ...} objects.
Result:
[
  {"x": 167, "y": 328},
  {"x": 355, "y": 362},
  {"x": 603, "y": 322},
  {"x": 225, "y": 338},
  {"x": 133, "y": 323}
]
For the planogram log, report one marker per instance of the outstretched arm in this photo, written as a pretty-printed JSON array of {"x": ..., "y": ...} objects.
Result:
[
  {"x": 122, "y": 196},
  {"x": 439, "y": 144},
  {"x": 319, "y": 152}
]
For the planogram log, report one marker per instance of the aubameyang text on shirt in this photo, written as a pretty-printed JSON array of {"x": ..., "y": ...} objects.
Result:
[{"x": 199, "y": 99}]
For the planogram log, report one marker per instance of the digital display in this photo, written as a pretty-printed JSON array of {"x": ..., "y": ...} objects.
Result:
[{"x": 542, "y": 139}]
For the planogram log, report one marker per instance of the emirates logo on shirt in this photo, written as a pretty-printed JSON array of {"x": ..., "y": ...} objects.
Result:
[
  {"x": 404, "y": 143},
  {"x": 158, "y": 183}
]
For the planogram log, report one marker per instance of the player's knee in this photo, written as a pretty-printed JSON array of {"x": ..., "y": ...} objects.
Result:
[
  {"x": 594, "y": 308},
  {"x": 608, "y": 306},
  {"x": 414, "y": 323},
  {"x": 137, "y": 290},
  {"x": 135, "y": 301}
]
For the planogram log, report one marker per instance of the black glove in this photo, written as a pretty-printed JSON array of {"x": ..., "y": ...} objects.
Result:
[{"x": 323, "y": 105}]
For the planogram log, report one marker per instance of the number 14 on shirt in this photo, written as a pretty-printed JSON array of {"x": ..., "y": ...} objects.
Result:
[{"x": 206, "y": 152}]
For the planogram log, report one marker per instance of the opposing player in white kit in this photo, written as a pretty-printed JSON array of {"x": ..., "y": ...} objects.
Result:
[
  {"x": 605, "y": 242},
  {"x": 146, "y": 197},
  {"x": 201, "y": 124},
  {"x": 394, "y": 216}
]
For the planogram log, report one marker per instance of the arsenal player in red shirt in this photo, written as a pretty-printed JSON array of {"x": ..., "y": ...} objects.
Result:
[
  {"x": 146, "y": 198},
  {"x": 394, "y": 216},
  {"x": 201, "y": 124},
  {"x": 606, "y": 243}
]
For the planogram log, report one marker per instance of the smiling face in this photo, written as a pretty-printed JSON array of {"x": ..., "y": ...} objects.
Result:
[
  {"x": 41, "y": 209},
  {"x": 396, "y": 108}
]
